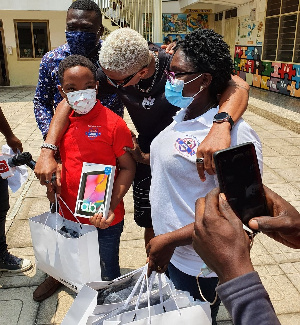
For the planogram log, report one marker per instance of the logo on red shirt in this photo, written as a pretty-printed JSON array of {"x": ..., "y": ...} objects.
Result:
[{"x": 93, "y": 133}]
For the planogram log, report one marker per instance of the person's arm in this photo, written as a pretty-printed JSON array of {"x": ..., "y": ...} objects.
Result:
[
  {"x": 284, "y": 223},
  {"x": 247, "y": 300},
  {"x": 137, "y": 153},
  {"x": 161, "y": 248},
  {"x": 46, "y": 164},
  {"x": 234, "y": 101},
  {"x": 11, "y": 139},
  {"x": 120, "y": 188},
  {"x": 44, "y": 96}
]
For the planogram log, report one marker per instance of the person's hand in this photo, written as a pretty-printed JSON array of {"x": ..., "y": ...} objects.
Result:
[
  {"x": 137, "y": 153},
  {"x": 159, "y": 251},
  {"x": 100, "y": 222},
  {"x": 45, "y": 166},
  {"x": 284, "y": 223},
  {"x": 14, "y": 143},
  {"x": 54, "y": 187},
  {"x": 218, "y": 138},
  {"x": 219, "y": 238},
  {"x": 169, "y": 48}
]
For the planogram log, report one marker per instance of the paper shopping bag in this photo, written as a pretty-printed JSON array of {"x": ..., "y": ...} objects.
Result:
[
  {"x": 180, "y": 307},
  {"x": 107, "y": 294},
  {"x": 66, "y": 250},
  {"x": 193, "y": 315},
  {"x": 100, "y": 300}
]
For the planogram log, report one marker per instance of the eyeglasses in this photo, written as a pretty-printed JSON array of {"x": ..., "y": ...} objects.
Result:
[
  {"x": 122, "y": 83},
  {"x": 171, "y": 76}
]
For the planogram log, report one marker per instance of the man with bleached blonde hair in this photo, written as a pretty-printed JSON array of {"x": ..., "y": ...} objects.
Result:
[
  {"x": 135, "y": 70},
  {"x": 124, "y": 60}
]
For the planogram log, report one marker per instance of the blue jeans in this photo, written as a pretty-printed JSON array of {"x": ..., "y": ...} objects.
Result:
[
  {"x": 109, "y": 244},
  {"x": 185, "y": 282},
  {"x": 4, "y": 207}
]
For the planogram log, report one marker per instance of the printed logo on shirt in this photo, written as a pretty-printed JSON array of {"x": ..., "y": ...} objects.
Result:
[
  {"x": 93, "y": 133},
  {"x": 148, "y": 102},
  {"x": 186, "y": 146}
]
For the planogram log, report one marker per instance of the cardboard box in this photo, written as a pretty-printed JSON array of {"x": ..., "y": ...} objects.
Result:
[{"x": 95, "y": 188}]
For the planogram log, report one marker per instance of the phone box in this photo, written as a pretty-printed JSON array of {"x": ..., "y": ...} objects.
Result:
[{"x": 95, "y": 188}]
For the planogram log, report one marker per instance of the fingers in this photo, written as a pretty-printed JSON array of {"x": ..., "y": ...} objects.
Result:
[
  {"x": 204, "y": 163},
  {"x": 200, "y": 169},
  {"x": 99, "y": 221},
  {"x": 199, "y": 211},
  {"x": 226, "y": 210},
  {"x": 268, "y": 224}
]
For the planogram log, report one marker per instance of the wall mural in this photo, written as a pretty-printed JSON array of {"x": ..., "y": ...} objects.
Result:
[
  {"x": 176, "y": 26},
  {"x": 279, "y": 77},
  {"x": 249, "y": 31}
]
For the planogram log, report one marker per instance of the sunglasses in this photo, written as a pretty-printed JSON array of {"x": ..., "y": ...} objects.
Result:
[{"x": 122, "y": 83}]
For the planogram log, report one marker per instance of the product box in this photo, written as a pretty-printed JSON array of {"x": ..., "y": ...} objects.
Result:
[{"x": 95, "y": 188}]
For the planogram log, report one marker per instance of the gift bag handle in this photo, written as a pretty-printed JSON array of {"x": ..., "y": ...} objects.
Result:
[
  {"x": 56, "y": 203},
  {"x": 149, "y": 281},
  {"x": 70, "y": 211}
]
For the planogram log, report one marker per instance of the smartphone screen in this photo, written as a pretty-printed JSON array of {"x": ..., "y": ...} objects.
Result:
[
  {"x": 92, "y": 193},
  {"x": 240, "y": 180}
]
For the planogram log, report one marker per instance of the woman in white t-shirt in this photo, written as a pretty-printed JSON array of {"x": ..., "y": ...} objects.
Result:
[{"x": 200, "y": 70}]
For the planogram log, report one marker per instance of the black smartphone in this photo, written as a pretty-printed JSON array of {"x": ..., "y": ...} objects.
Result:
[{"x": 240, "y": 180}]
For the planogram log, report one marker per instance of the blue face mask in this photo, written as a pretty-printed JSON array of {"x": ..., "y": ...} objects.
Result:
[
  {"x": 173, "y": 92},
  {"x": 81, "y": 43}
]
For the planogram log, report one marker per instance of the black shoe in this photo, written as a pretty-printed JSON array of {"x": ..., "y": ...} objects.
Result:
[{"x": 11, "y": 263}]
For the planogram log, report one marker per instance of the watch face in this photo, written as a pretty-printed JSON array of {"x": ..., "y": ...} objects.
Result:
[{"x": 221, "y": 116}]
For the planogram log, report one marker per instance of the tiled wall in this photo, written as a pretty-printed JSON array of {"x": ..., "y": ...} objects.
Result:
[{"x": 274, "y": 76}]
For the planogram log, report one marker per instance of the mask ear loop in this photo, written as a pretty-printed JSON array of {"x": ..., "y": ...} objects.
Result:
[{"x": 201, "y": 88}]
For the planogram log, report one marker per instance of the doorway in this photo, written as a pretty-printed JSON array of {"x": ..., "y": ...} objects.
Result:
[{"x": 4, "y": 80}]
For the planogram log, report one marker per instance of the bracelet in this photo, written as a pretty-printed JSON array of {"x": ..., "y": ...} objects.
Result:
[{"x": 49, "y": 146}]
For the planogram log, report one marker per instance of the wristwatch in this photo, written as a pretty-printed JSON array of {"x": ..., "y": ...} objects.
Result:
[{"x": 223, "y": 117}]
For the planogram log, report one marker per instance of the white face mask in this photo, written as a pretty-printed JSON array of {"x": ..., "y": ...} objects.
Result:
[{"x": 82, "y": 101}]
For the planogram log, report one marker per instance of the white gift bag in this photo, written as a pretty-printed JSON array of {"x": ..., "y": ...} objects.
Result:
[
  {"x": 179, "y": 309},
  {"x": 71, "y": 260},
  {"x": 85, "y": 310}
]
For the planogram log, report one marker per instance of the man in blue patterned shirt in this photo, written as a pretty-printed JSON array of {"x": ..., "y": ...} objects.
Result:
[{"x": 83, "y": 31}]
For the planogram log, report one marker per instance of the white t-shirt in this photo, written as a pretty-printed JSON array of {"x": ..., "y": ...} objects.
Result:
[{"x": 175, "y": 184}]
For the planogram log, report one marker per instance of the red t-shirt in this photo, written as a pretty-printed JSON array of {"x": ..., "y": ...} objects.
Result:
[{"x": 97, "y": 137}]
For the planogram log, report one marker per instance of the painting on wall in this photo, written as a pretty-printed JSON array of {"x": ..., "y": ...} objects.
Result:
[
  {"x": 283, "y": 78},
  {"x": 195, "y": 20},
  {"x": 176, "y": 26},
  {"x": 174, "y": 23},
  {"x": 175, "y": 37},
  {"x": 249, "y": 32}
]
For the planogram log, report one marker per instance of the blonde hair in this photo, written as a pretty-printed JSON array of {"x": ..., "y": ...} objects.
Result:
[{"x": 125, "y": 51}]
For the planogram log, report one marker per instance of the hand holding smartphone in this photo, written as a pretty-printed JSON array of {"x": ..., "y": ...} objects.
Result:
[{"x": 240, "y": 180}]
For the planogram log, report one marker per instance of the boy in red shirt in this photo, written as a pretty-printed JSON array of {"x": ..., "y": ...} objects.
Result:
[{"x": 95, "y": 135}]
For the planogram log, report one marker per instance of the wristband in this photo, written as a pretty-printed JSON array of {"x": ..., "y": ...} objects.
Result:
[{"x": 49, "y": 146}]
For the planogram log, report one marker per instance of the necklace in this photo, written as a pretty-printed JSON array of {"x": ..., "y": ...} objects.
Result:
[
  {"x": 206, "y": 108},
  {"x": 154, "y": 78}
]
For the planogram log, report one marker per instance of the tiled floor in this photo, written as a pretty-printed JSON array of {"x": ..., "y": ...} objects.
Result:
[{"x": 278, "y": 266}]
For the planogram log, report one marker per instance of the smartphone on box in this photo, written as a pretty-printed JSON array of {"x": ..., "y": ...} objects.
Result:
[{"x": 240, "y": 180}]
